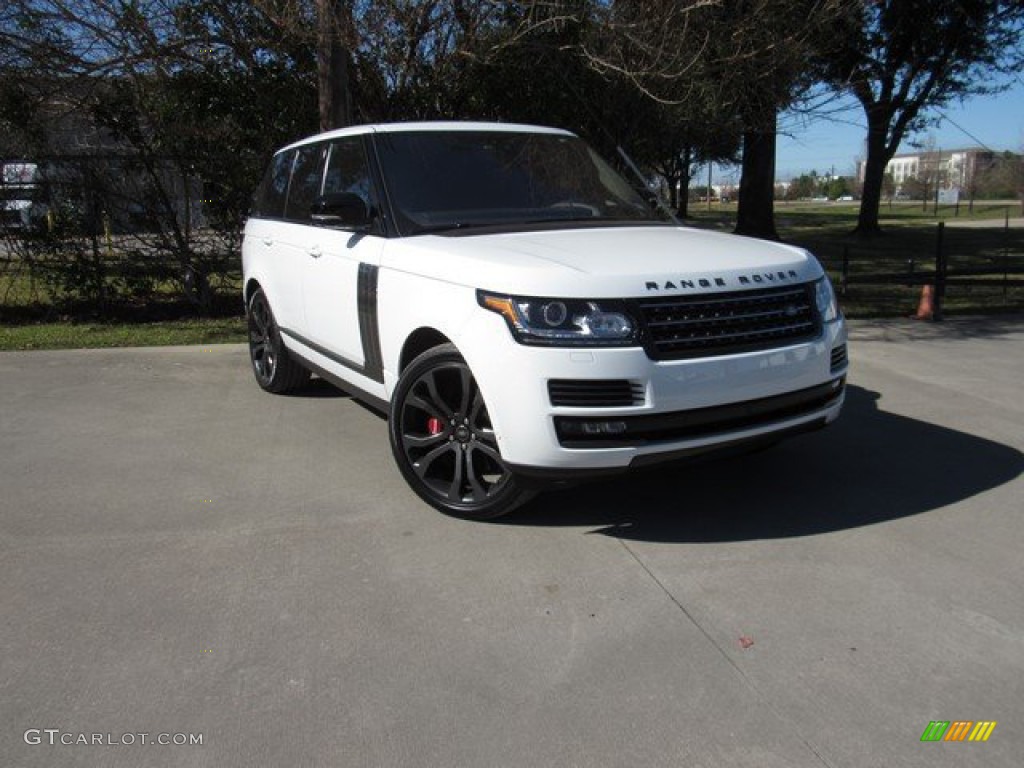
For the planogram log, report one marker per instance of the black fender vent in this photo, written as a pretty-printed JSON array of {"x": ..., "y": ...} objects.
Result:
[
  {"x": 595, "y": 393},
  {"x": 838, "y": 358}
]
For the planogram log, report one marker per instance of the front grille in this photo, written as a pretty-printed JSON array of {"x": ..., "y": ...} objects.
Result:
[
  {"x": 838, "y": 358},
  {"x": 726, "y": 323},
  {"x": 595, "y": 393}
]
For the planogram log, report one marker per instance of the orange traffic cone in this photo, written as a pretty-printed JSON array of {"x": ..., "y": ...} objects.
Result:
[{"x": 926, "y": 307}]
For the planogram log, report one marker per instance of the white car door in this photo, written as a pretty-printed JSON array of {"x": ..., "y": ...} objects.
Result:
[{"x": 340, "y": 272}]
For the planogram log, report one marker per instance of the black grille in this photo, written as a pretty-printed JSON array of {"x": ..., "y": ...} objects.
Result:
[
  {"x": 725, "y": 323},
  {"x": 838, "y": 359},
  {"x": 600, "y": 393}
]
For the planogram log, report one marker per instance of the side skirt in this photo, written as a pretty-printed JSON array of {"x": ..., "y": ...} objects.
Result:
[{"x": 374, "y": 402}]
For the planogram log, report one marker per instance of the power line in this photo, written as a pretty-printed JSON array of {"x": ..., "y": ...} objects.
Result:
[{"x": 967, "y": 133}]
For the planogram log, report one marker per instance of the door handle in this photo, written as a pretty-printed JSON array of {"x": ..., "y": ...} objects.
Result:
[
  {"x": 268, "y": 241},
  {"x": 315, "y": 252}
]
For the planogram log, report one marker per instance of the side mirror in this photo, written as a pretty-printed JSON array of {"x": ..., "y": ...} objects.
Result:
[{"x": 341, "y": 209}]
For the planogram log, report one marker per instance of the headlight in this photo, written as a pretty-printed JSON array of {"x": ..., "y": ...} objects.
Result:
[
  {"x": 563, "y": 322},
  {"x": 825, "y": 298}
]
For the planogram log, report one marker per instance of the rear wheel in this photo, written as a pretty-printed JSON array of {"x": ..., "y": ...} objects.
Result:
[
  {"x": 443, "y": 440},
  {"x": 275, "y": 371}
]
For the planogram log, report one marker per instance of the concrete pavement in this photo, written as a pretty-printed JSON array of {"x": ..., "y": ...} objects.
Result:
[{"x": 182, "y": 553}]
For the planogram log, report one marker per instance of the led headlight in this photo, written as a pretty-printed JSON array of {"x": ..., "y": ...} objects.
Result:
[
  {"x": 569, "y": 322},
  {"x": 825, "y": 298}
]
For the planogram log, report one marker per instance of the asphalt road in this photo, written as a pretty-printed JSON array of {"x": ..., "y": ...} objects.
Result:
[{"x": 183, "y": 554}]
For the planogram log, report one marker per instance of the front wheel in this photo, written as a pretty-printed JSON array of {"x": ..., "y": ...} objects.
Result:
[{"x": 443, "y": 440}]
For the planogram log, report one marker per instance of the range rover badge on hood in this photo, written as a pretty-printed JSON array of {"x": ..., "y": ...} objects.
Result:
[{"x": 756, "y": 278}]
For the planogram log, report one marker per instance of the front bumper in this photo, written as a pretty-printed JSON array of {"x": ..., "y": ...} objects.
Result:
[{"x": 681, "y": 407}]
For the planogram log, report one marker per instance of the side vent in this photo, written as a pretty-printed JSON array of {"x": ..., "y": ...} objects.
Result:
[{"x": 838, "y": 359}]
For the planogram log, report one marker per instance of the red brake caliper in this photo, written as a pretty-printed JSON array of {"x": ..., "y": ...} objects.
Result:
[{"x": 434, "y": 426}]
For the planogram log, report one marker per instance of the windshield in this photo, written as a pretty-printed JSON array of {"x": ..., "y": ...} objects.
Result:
[{"x": 440, "y": 180}]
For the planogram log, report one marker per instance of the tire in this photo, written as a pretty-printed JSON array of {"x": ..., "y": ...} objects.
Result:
[
  {"x": 443, "y": 441},
  {"x": 274, "y": 369}
]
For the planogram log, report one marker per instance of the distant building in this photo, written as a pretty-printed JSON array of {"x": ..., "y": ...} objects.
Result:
[{"x": 944, "y": 168}]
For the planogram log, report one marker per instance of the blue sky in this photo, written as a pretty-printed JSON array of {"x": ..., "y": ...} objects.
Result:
[{"x": 838, "y": 140}]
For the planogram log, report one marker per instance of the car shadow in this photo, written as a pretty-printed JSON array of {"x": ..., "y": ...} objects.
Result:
[{"x": 869, "y": 467}]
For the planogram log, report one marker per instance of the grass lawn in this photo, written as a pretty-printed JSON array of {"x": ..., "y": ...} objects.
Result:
[{"x": 70, "y": 335}]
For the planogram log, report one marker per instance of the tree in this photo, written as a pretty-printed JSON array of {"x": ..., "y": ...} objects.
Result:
[
  {"x": 333, "y": 63},
  {"x": 902, "y": 58},
  {"x": 739, "y": 61},
  {"x": 914, "y": 188},
  {"x": 171, "y": 110},
  {"x": 929, "y": 170},
  {"x": 698, "y": 148},
  {"x": 838, "y": 186},
  {"x": 1002, "y": 178},
  {"x": 529, "y": 64},
  {"x": 804, "y": 186}
]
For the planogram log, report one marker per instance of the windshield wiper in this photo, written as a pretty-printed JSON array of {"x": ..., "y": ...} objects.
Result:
[
  {"x": 559, "y": 219},
  {"x": 452, "y": 225}
]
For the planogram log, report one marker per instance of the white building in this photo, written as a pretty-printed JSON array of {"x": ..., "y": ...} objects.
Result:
[{"x": 949, "y": 168}]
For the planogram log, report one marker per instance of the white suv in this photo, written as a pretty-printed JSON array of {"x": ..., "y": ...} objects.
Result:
[{"x": 521, "y": 315}]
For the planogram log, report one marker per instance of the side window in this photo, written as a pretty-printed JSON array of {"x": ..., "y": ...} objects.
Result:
[
  {"x": 270, "y": 197},
  {"x": 307, "y": 176},
  {"x": 348, "y": 170}
]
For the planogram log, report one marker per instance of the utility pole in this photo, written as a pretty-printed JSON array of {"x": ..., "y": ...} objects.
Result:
[{"x": 710, "y": 165}]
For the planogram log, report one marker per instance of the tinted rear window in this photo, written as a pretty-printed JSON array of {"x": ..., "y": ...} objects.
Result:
[
  {"x": 307, "y": 178},
  {"x": 273, "y": 190}
]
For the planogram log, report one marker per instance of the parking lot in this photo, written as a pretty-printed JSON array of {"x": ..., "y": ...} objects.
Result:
[{"x": 181, "y": 553}]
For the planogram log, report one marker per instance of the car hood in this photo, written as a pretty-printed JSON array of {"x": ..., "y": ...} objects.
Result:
[{"x": 625, "y": 261}]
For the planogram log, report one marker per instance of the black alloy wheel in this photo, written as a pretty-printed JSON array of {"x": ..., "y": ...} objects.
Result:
[
  {"x": 275, "y": 371},
  {"x": 443, "y": 440}
]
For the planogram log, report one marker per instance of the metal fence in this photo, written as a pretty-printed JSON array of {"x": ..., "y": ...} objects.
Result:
[{"x": 962, "y": 261}]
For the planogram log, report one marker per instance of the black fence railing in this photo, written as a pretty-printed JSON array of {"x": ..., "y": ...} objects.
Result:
[{"x": 945, "y": 268}]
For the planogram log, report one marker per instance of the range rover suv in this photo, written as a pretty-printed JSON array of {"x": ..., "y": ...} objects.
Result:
[{"x": 520, "y": 313}]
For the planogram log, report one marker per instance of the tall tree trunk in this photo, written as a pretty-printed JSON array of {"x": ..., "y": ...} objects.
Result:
[
  {"x": 683, "y": 208},
  {"x": 672, "y": 181},
  {"x": 877, "y": 158},
  {"x": 332, "y": 66},
  {"x": 756, "y": 214}
]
